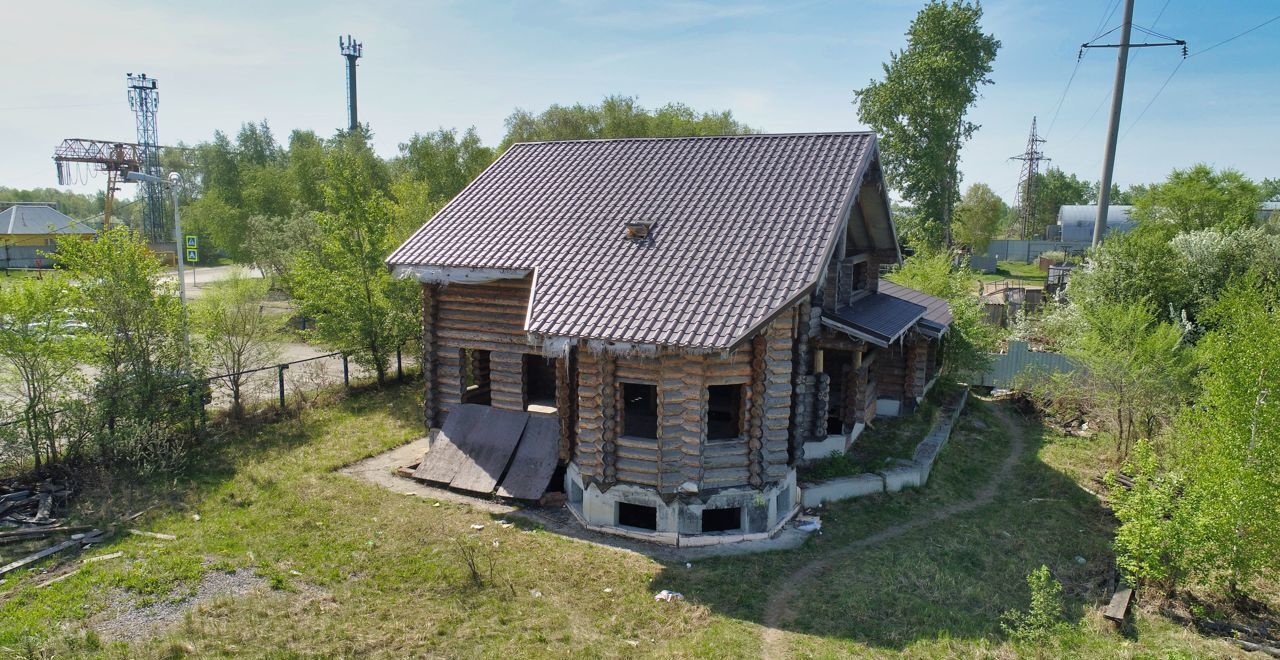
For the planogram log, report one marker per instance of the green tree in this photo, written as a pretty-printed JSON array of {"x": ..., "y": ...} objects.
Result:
[
  {"x": 445, "y": 162},
  {"x": 1054, "y": 189},
  {"x": 1138, "y": 267},
  {"x": 73, "y": 204},
  {"x": 135, "y": 314},
  {"x": 1135, "y": 371},
  {"x": 236, "y": 334},
  {"x": 345, "y": 285},
  {"x": 1228, "y": 446},
  {"x": 278, "y": 240},
  {"x": 919, "y": 109},
  {"x": 1205, "y": 511},
  {"x": 39, "y": 355},
  {"x": 616, "y": 117},
  {"x": 971, "y": 340},
  {"x": 306, "y": 170},
  {"x": 1201, "y": 198},
  {"x": 978, "y": 217},
  {"x": 1206, "y": 261}
]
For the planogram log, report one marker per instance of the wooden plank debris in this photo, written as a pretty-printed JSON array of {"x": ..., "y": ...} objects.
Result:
[
  {"x": 93, "y": 537},
  {"x": 39, "y": 532},
  {"x": 154, "y": 535},
  {"x": 535, "y": 460},
  {"x": 57, "y": 579},
  {"x": 105, "y": 557},
  {"x": 1118, "y": 609}
]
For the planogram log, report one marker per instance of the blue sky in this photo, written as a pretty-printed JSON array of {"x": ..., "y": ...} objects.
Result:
[{"x": 781, "y": 67}]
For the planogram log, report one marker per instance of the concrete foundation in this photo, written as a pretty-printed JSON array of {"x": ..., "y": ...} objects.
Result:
[
  {"x": 888, "y": 407},
  {"x": 741, "y": 514},
  {"x": 833, "y": 444}
]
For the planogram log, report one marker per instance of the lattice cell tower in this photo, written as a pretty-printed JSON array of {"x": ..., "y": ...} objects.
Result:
[
  {"x": 1027, "y": 184},
  {"x": 144, "y": 99}
]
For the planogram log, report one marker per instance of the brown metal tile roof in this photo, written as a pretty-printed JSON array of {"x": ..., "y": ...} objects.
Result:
[
  {"x": 878, "y": 318},
  {"x": 742, "y": 225},
  {"x": 937, "y": 311}
]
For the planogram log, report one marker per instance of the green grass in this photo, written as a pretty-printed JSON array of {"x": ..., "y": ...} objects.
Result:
[
  {"x": 12, "y": 277},
  {"x": 877, "y": 447},
  {"x": 360, "y": 570},
  {"x": 1016, "y": 270}
]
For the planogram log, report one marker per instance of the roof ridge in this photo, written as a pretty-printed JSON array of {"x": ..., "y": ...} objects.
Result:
[{"x": 674, "y": 138}]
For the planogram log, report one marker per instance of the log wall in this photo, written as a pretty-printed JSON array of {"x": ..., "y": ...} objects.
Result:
[
  {"x": 891, "y": 372},
  {"x": 489, "y": 317},
  {"x": 681, "y": 453},
  {"x": 430, "y": 395}
]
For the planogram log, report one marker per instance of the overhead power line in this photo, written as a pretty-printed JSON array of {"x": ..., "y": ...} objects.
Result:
[{"x": 1230, "y": 39}]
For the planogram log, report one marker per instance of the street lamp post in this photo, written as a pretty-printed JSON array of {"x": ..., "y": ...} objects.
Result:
[{"x": 172, "y": 184}]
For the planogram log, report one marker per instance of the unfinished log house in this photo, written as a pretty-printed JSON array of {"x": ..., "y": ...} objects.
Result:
[{"x": 677, "y": 319}]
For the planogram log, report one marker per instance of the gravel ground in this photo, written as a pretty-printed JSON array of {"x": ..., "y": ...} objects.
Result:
[{"x": 125, "y": 620}]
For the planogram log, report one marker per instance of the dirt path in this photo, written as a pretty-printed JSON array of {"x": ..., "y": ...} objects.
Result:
[{"x": 773, "y": 641}]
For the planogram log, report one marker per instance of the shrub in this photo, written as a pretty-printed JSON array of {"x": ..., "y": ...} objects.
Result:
[{"x": 1044, "y": 617}]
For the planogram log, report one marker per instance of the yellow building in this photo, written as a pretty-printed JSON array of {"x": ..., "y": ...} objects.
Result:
[{"x": 29, "y": 233}]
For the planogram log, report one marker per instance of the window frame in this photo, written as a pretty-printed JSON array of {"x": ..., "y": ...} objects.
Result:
[{"x": 741, "y": 421}]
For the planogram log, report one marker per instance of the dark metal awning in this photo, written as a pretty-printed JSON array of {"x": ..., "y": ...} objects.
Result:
[{"x": 877, "y": 318}]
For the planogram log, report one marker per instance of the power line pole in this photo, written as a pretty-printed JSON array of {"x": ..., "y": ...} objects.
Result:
[
  {"x": 352, "y": 50},
  {"x": 1117, "y": 100},
  {"x": 1031, "y": 160}
]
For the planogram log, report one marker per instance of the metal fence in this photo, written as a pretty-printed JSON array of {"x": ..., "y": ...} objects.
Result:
[
  {"x": 296, "y": 380},
  {"x": 1027, "y": 251},
  {"x": 1021, "y": 362}
]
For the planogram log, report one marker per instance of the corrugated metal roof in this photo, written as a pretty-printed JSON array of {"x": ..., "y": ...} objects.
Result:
[
  {"x": 937, "y": 311},
  {"x": 741, "y": 227},
  {"x": 39, "y": 219},
  {"x": 878, "y": 318}
]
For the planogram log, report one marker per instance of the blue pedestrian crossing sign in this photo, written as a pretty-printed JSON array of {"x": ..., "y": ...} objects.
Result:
[
  {"x": 193, "y": 255},
  {"x": 192, "y": 242}
]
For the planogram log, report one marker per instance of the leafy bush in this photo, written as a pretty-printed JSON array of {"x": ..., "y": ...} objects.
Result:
[
  {"x": 1044, "y": 617},
  {"x": 971, "y": 339},
  {"x": 148, "y": 449},
  {"x": 1147, "y": 544}
]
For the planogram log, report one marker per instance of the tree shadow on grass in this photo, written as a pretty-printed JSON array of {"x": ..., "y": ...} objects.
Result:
[
  {"x": 227, "y": 448},
  {"x": 951, "y": 579}
]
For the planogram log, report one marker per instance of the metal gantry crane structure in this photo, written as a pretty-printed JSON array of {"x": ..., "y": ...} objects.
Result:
[
  {"x": 352, "y": 50},
  {"x": 114, "y": 158},
  {"x": 144, "y": 100},
  {"x": 1029, "y": 180}
]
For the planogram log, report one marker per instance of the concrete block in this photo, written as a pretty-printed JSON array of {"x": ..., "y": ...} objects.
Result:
[
  {"x": 905, "y": 476},
  {"x": 888, "y": 407},
  {"x": 842, "y": 489},
  {"x": 833, "y": 444}
]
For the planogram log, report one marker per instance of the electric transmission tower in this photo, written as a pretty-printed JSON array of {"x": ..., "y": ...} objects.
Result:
[
  {"x": 1027, "y": 184},
  {"x": 352, "y": 50},
  {"x": 144, "y": 98}
]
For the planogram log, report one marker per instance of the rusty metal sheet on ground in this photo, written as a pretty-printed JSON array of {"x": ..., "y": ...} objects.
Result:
[
  {"x": 446, "y": 457},
  {"x": 535, "y": 459},
  {"x": 488, "y": 448}
]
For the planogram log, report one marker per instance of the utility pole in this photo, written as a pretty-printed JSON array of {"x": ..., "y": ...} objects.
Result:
[
  {"x": 352, "y": 50},
  {"x": 1117, "y": 100},
  {"x": 1031, "y": 160}
]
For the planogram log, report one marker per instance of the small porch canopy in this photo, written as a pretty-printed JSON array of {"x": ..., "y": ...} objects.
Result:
[{"x": 878, "y": 318}]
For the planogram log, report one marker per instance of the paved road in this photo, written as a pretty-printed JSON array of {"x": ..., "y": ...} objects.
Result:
[{"x": 199, "y": 278}]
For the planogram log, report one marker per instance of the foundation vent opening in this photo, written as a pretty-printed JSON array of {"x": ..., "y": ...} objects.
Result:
[
  {"x": 638, "y": 516},
  {"x": 722, "y": 520}
]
